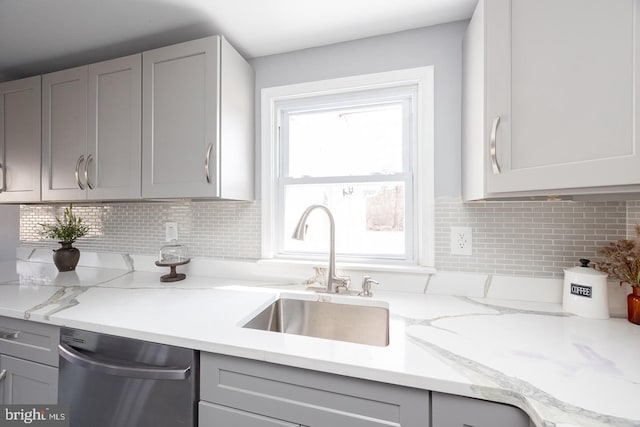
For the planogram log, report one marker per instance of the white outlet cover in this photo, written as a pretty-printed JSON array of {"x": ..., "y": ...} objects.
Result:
[{"x": 461, "y": 241}]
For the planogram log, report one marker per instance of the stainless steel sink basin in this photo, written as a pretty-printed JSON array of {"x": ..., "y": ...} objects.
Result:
[{"x": 362, "y": 324}]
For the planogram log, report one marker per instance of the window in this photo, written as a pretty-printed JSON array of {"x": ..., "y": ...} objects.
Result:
[{"x": 359, "y": 146}]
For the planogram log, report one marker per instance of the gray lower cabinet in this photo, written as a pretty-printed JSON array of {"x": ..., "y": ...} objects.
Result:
[
  {"x": 456, "y": 411},
  {"x": 28, "y": 362},
  {"x": 249, "y": 393},
  {"x": 26, "y": 382}
]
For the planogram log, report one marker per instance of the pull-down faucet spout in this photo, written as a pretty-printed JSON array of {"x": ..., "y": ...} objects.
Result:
[{"x": 334, "y": 282}]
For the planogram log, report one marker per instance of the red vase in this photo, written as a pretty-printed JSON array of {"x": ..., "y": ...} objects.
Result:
[{"x": 633, "y": 305}]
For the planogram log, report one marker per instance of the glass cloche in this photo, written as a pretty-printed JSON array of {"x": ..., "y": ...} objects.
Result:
[{"x": 173, "y": 255}]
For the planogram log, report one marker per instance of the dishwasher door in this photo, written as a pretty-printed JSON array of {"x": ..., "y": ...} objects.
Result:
[{"x": 109, "y": 381}]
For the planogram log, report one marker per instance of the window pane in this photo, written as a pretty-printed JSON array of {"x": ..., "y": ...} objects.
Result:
[
  {"x": 344, "y": 142},
  {"x": 370, "y": 218}
]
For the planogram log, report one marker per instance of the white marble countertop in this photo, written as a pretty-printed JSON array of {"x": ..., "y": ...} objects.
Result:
[{"x": 562, "y": 370}]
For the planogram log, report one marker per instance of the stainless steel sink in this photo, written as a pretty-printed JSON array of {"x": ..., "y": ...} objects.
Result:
[{"x": 362, "y": 324}]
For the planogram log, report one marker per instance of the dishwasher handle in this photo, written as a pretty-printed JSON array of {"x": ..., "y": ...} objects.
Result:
[{"x": 125, "y": 369}]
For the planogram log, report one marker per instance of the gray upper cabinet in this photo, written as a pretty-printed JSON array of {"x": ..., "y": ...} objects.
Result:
[
  {"x": 64, "y": 134},
  {"x": 174, "y": 122},
  {"x": 20, "y": 140},
  {"x": 198, "y": 137},
  {"x": 549, "y": 98},
  {"x": 457, "y": 411},
  {"x": 91, "y": 138},
  {"x": 114, "y": 140}
]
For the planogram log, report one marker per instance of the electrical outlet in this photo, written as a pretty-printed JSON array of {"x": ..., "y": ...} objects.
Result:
[
  {"x": 461, "y": 241},
  {"x": 171, "y": 231}
]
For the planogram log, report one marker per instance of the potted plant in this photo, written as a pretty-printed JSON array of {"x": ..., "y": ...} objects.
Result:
[
  {"x": 622, "y": 262},
  {"x": 66, "y": 231}
]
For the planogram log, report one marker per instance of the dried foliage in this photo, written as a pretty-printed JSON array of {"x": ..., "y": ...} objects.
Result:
[
  {"x": 67, "y": 230},
  {"x": 622, "y": 260}
]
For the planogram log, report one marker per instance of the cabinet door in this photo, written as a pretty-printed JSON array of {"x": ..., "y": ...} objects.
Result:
[
  {"x": 64, "y": 134},
  {"x": 27, "y": 382},
  {"x": 211, "y": 415},
  {"x": 20, "y": 140},
  {"x": 114, "y": 129},
  {"x": 561, "y": 77},
  {"x": 180, "y": 107},
  {"x": 457, "y": 411}
]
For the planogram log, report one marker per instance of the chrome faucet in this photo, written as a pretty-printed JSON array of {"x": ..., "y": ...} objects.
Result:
[{"x": 334, "y": 282}]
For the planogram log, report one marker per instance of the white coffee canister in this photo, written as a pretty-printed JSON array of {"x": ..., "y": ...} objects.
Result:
[{"x": 585, "y": 292}]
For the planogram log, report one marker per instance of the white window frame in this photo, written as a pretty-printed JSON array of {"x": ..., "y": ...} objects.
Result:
[
  {"x": 423, "y": 188},
  {"x": 405, "y": 96}
]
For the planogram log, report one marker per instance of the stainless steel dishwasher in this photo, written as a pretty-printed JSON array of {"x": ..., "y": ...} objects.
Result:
[{"x": 110, "y": 381}]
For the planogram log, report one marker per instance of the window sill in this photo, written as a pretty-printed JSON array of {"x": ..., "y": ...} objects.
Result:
[{"x": 350, "y": 266}]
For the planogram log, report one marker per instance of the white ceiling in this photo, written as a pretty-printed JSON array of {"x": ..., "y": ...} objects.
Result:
[{"x": 39, "y": 36}]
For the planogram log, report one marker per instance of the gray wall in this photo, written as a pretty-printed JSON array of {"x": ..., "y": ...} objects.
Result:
[
  {"x": 527, "y": 238},
  {"x": 9, "y": 231},
  {"x": 440, "y": 46}
]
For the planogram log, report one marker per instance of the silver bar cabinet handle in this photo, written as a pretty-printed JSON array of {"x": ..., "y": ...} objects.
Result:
[
  {"x": 86, "y": 172},
  {"x": 3, "y": 374},
  {"x": 495, "y": 167},
  {"x": 130, "y": 370},
  {"x": 4, "y": 178},
  {"x": 6, "y": 335},
  {"x": 206, "y": 163},
  {"x": 78, "y": 163}
]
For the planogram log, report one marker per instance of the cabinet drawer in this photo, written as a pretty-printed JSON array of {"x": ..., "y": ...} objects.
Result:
[
  {"x": 220, "y": 416},
  {"x": 308, "y": 397},
  {"x": 28, "y": 340}
]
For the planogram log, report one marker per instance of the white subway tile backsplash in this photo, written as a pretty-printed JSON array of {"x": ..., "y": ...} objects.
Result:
[
  {"x": 515, "y": 238},
  {"x": 529, "y": 238},
  {"x": 211, "y": 229}
]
